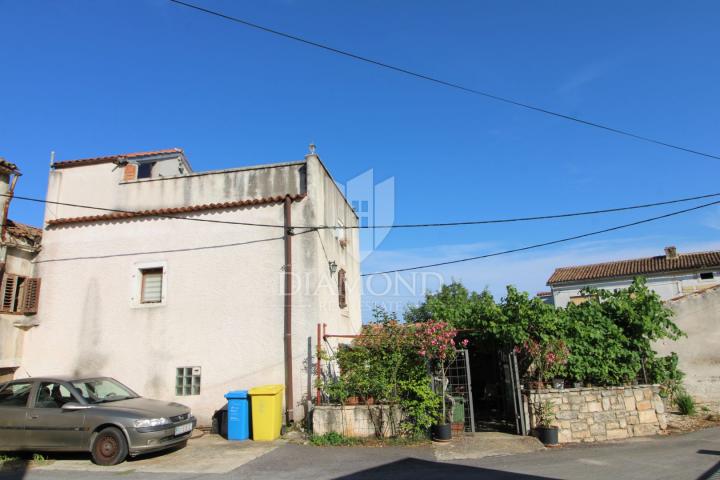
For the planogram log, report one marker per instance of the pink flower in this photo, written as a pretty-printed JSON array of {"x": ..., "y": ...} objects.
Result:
[
  {"x": 465, "y": 342},
  {"x": 422, "y": 352}
]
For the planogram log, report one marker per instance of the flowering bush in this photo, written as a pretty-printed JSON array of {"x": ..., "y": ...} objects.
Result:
[
  {"x": 389, "y": 363},
  {"x": 436, "y": 340},
  {"x": 549, "y": 357}
]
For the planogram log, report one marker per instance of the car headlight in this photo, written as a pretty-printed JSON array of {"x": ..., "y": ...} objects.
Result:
[{"x": 151, "y": 422}]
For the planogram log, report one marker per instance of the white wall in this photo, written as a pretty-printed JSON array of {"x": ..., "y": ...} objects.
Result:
[
  {"x": 667, "y": 286},
  {"x": 224, "y": 306},
  {"x": 698, "y": 315}
]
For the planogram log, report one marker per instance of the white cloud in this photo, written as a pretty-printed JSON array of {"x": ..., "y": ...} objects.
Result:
[{"x": 527, "y": 271}]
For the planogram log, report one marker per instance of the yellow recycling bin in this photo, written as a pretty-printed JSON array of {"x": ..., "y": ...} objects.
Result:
[{"x": 266, "y": 412}]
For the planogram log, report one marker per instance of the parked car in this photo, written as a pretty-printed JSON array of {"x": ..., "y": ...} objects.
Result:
[{"x": 98, "y": 415}]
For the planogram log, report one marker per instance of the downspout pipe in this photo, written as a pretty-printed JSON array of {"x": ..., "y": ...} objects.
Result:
[{"x": 289, "y": 401}]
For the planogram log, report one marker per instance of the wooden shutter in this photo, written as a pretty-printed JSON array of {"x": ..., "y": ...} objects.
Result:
[
  {"x": 151, "y": 285},
  {"x": 342, "y": 299},
  {"x": 31, "y": 296},
  {"x": 9, "y": 287}
]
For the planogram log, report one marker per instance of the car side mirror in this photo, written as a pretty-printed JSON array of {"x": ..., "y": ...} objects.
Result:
[{"x": 74, "y": 406}]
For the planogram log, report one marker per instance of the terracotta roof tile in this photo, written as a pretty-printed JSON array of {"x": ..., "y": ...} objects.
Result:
[
  {"x": 638, "y": 266},
  {"x": 111, "y": 158},
  {"x": 175, "y": 210},
  {"x": 26, "y": 232}
]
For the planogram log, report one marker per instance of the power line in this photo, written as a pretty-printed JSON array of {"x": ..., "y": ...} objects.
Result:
[
  {"x": 525, "y": 219},
  {"x": 544, "y": 244},
  {"x": 173, "y": 250},
  {"x": 408, "y": 225},
  {"x": 446, "y": 83}
]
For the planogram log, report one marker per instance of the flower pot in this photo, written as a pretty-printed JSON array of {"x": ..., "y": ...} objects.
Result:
[
  {"x": 352, "y": 400},
  {"x": 578, "y": 385},
  {"x": 369, "y": 400},
  {"x": 547, "y": 435},
  {"x": 558, "y": 383},
  {"x": 442, "y": 432}
]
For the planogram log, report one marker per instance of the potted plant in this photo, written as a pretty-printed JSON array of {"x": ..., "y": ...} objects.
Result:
[{"x": 544, "y": 416}]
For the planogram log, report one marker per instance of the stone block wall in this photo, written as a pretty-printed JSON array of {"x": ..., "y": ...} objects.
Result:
[
  {"x": 598, "y": 414},
  {"x": 357, "y": 420}
]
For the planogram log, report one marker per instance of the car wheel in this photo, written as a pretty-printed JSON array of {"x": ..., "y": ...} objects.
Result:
[{"x": 109, "y": 447}]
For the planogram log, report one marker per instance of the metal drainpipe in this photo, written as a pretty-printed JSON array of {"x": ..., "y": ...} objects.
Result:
[{"x": 289, "y": 402}]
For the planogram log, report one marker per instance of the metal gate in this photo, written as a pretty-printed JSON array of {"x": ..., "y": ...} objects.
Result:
[
  {"x": 460, "y": 389},
  {"x": 514, "y": 392}
]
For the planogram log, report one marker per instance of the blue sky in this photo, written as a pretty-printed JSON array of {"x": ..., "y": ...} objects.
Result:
[{"x": 90, "y": 78}]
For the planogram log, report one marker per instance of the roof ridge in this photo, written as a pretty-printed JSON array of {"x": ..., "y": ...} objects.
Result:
[{"x": 584, "y": 265}]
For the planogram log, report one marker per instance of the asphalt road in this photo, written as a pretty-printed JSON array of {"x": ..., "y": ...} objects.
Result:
[{"x": 694, "y": 456}]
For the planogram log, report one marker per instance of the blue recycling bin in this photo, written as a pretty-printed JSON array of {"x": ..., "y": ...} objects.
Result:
[{"x": 238, "y": 418}]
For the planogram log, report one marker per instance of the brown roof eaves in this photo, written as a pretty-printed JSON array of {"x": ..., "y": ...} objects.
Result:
[
  {"x": 162, "y": 212},
  {"x": 635, "y": 267},
  {"x": 8, "y": 166},
  {"x": 21, "y": 230},
  {"x": 112, "y": 158}
]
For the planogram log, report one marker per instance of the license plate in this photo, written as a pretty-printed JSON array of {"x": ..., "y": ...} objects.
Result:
[{"x": 180, "y": 429}]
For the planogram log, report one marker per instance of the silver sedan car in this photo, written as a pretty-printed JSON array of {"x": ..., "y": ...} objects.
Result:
[{"x": 97, "y": 415}]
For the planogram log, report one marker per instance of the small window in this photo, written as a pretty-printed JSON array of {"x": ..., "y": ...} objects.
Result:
[
  {"x": 15, "y": 395},
  {"x": 151, "y": 286},
  {"x": 19, "y": 294},
  {"x": 52, "y": 395},
  {"x": 342, "y": 294},
  {"x": 707, "y": 276},
  {"x": 145, "y": 170},
  {"x": 187, "y": 381}
]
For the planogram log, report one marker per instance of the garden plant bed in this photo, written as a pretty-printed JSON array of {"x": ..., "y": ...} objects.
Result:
[{"x": 707, "y": 416}]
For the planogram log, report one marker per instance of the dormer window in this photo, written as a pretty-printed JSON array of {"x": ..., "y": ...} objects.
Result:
[{"x": 145, "y": 170}]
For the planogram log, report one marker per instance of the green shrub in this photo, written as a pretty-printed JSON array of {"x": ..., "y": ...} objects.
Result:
[
  {"x": 665, "y": 371},
  {"x": 685, "y": 404},
  {"x": 333, "y": 439}
]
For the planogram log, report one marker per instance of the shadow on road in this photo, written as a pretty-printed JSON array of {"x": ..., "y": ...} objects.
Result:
[
  {"x": 714, "y": 472},
  {"x": 14, "y": 469},
  {"x": 413, "y": 468}
]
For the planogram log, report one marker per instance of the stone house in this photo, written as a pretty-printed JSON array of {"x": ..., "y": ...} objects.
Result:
[
  {"x": 19, "y": 287},
  {"x": 669, "y": 275},
  {"x": 185, "y": 285}
]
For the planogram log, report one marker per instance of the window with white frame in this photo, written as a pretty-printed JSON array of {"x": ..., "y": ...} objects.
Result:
[
  {"x": 187, "y": 381},
  {"x": 151, "y": 285}
]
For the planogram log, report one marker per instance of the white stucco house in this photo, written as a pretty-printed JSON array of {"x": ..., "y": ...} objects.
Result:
[
  {"x": 19, "y": 286},
  {"x": 185, "y": 285},
  {"x": 670, "y": 275}
]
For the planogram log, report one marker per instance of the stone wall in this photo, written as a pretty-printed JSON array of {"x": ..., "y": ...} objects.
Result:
[
  {"x": 356, "y": 420},
  {"x": 598, "y": 414}
]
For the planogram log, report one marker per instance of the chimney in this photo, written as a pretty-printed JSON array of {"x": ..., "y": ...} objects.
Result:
[{"x": 671, "y": 253}]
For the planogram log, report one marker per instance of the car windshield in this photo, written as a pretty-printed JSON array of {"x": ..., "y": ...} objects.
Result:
[{"x": 100, "y": 390}]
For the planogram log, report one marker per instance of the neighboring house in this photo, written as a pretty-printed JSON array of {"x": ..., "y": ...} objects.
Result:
[
  {"x": 19, "y": 289},
  {"x": 698, "y": 315},
  {"x": 187, "y": 310},
  {"x": 668, "y": 275}
]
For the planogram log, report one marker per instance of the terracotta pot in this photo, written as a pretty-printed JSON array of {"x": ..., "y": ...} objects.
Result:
[
  {"x": 369, "y": 401},
  {"x": 352, "y": 400}
]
